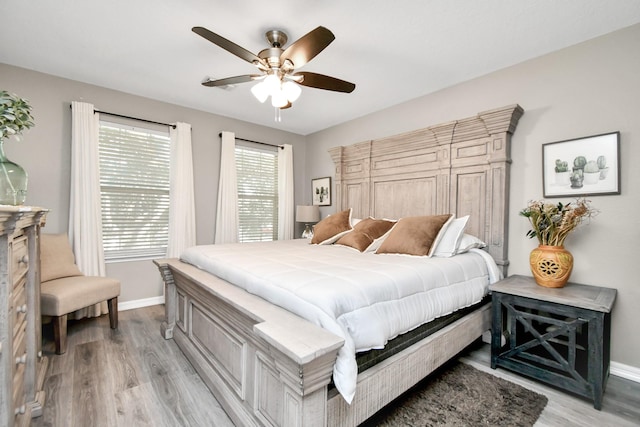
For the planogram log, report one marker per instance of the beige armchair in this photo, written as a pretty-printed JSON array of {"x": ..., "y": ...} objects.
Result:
[{"x": 64, "y": 289}]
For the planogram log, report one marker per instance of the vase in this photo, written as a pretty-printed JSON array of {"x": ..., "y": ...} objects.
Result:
[
  {"x": 13, "y": 181},
  {"x": 551, "y": 265}
]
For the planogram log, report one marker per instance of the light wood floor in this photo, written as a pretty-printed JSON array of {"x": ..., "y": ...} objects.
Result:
[{"x": 132, "y": 377}]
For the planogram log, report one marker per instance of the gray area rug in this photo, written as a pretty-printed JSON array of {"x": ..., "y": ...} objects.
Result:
[{"x": 461, "y": 395}]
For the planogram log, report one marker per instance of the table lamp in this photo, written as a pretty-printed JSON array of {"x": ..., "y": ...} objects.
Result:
[{"x": 308, "y": 215}]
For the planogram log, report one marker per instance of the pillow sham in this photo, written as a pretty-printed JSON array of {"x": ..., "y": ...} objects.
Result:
[
  {"x": 365, "y": 232},
  {"x": 332, "y": 228},
  {"x": 448, "y": 245},
  {"x": 418, "y": 235},
  {"x": 469, "y": 242}
]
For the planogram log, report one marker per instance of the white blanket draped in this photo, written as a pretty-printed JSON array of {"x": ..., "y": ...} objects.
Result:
[{"x": 365, "y": 298}]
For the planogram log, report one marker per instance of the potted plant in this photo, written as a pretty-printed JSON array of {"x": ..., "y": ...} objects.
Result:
[
  {"x": 550, "y": 262},
  {"x": 602, "y": 165},
  {"x": 562, "y": 172},
  {"x": 15, "y": 117},
  {"x": 591, "y": 172}
]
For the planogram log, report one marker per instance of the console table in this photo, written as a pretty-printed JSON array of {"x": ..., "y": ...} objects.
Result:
[{"x": 560, "y": 336}]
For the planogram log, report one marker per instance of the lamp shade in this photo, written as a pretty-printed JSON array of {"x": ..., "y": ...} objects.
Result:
[{"x": 306, "y": 213}]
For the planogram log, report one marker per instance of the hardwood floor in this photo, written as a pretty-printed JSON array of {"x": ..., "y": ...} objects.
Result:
[{"x": 133, "y": 377}]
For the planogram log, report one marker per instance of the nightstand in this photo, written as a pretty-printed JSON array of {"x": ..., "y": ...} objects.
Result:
[{"x": 560, "y": 336}]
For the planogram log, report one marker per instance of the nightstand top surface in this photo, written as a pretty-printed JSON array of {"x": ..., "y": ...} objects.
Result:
[{"x": 583, "y": 296}]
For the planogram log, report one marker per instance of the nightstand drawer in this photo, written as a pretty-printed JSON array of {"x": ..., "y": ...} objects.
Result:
[{"x": 19, "y": 259}]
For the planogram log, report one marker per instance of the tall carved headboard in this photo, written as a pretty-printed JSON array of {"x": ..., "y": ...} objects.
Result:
[{"x": 459, "y": 167}]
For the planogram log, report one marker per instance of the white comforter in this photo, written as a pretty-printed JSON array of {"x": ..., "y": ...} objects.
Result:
[{"x": 365, "y": 298}]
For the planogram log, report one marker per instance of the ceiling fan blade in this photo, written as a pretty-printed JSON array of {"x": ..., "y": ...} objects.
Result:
[
  {"x": 231, "y": 80},
  {"x": 321, "y": 81},
  {"x": 307, "y": 47},
  {"x": 228, "y": 45}
]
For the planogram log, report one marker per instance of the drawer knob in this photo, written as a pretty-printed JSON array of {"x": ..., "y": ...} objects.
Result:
[
  {"x": 21, "y": 410},
  {"x": 22, "y": 308},
  {"x": 21, "y": 360},
  {"x": 24, "y": 259}
]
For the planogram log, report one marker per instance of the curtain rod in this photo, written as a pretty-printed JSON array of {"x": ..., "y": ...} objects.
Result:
[
  {"x": 134, "y": 118},
  {"x": 129, "y": 117},
  {"x": 256, "y": 142}
]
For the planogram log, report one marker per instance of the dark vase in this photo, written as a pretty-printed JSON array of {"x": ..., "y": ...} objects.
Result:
[{"x": 13, "y": 181}]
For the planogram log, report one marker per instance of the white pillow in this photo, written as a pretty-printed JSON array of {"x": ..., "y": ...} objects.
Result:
[
  {"x": 448, "y": 244},
  {"x": 469, "y": 242}
]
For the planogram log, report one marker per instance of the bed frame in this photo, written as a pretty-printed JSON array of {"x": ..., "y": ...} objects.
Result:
[{"x": 267, "y": 366}]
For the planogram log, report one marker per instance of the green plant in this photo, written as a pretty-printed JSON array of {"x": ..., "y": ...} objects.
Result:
[
  {"x": 552, "y": 223},
  {"x": 561, "y": 166},
  {"x": 579, "y": 162},
  {"x": 591, "y": 167},
  {"x": 602, "y": 162},
  {"x": 15, "y": 115}
]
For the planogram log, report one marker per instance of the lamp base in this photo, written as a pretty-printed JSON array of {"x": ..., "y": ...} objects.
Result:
[{"x": 308, "y": 232}]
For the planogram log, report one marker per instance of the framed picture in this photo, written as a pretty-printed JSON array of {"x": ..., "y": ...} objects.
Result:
[
  {"x": 321, "y": 191},
  {"x": 588, "y": 166}
]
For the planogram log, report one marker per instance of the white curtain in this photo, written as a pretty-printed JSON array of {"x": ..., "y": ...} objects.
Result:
[
  {"x": 227, "y": 211},
  {"x": 85, "y": 218},
  {"x": 182, "y": 217},
  {"x": 285, "y": 193}
]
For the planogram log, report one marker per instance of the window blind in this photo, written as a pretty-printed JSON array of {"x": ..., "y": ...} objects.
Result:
[
  {"x": 257, "y": 175},
  {"x": 134, "y": 189}
]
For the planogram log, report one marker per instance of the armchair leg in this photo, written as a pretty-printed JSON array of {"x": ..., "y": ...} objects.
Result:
[
  {"x": 60, "y": 333},
  {"x": 113, "y": 312}
]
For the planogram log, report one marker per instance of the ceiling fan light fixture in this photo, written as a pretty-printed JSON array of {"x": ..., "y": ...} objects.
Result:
[
  {"x": 272, "y": 82},
  {"x": 291, "y": 90},
  {"x": 260, "y": 91},
  {"x": 279, "y": 99}
]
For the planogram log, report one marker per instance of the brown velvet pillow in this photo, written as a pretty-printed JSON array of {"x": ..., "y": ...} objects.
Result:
[
  {"x": 56, "y": 258},
  {"x": 417, "y": 235},
  {"x": 365, "y": 232},
  {"x": 332, "y": 228}
]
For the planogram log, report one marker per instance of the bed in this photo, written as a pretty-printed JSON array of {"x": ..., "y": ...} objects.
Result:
[{"x": 270, "y": 366}]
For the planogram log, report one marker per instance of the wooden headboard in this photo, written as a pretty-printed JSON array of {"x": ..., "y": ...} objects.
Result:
[{"x": 459, "y": 167}]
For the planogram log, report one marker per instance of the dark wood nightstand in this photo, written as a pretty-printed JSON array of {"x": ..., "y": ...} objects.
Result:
[{"x": 557, "y": 335}]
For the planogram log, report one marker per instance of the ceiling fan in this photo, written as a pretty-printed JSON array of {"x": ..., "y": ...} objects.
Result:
[{"x": 279, "y": 78}]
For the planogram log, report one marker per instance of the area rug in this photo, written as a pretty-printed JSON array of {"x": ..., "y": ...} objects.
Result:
[{"x": 461, "y": 395}]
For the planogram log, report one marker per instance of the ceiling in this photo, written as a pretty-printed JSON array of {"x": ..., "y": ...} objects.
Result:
[{"x": 392, "y": 51}]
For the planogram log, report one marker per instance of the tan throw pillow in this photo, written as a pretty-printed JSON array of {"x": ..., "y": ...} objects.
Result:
[
  {"x": 332, "y": 228},
  {"x": 56, "y": 258},
  {"x": 417, "y": 235},
  {"x": 365, "y": 232}
]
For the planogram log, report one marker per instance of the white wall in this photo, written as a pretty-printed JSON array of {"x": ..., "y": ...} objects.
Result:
[
  {"x": 587, "y": 89},
  {"x": 45, "y": 152}
]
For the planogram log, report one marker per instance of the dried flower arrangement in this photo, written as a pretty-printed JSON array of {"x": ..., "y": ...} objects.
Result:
[{"x": 552, "y": 223}]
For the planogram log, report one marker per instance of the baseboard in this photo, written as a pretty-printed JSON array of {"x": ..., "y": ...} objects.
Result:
[
  {"x": 139, "y": 303},
  {"x": 625, "y": 371}
]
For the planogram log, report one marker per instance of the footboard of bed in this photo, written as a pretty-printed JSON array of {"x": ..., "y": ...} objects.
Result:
[{"x": 268, "y": 367}]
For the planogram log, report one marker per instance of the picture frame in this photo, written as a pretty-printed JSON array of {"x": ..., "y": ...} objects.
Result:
[
  {"x": 586, "y": 166},
  {"x": 321, "y": 191}
]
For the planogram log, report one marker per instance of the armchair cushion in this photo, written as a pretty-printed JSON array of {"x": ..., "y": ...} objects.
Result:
[
  {"x": 61, "y": 296},
  {"x": 56, "y": 258}
]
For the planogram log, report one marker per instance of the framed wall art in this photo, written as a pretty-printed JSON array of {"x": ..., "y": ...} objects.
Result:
[
  {"x": 587, "y": 166},
  {"x": 321, "y": 191}
]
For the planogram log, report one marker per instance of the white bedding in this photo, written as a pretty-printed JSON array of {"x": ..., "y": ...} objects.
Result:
[{"x": 365, "y": 298}]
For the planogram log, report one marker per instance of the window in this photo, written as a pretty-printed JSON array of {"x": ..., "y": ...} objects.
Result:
[
  {"x": 134, "y": 189},
  {"x": 257, "y": 174}
]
